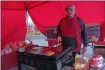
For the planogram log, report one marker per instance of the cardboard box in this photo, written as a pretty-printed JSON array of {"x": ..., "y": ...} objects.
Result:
[{"x": 84, "y": 66}]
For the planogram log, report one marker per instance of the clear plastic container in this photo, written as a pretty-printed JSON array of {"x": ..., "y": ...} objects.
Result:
[{"x": 77, "y": 58}]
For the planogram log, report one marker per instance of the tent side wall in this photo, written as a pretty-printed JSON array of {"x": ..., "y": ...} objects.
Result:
[
  {"x": 13, "y": 26},
  {"x": 13, "y": 29}
]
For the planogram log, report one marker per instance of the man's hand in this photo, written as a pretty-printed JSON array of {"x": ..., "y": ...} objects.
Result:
[
  {"x": 84, "y": 49},
  {"x": 59, "y": 39}
]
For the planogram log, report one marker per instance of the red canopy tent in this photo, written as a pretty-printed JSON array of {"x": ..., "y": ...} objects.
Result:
[{"x": 43, "y": 14}]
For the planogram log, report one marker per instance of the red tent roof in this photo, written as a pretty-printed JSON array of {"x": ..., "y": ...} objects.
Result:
[{"x": 21, "y": 5}]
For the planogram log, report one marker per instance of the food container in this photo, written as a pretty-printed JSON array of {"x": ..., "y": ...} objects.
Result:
[
  {"x": 80, "y": 66},
  {"x": 98, "y": 58},
  {"x": 22, "y": 49},
  {"x": 48, "y": 53},
  {"x": 7, "y": 50},
  {"x": 96, "y": 64},
  {"x": 34, "y": 48}
]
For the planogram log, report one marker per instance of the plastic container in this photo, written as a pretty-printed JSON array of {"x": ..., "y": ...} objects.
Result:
[
  {"x": 22, "y": 49},
  {"x": 7, "y": 50},
  {"x": 77, "y": 58}
]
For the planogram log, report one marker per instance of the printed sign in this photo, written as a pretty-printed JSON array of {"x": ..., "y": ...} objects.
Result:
[
  {"x": 51, "y": 32},
  {"x": 93, "y": 30}
]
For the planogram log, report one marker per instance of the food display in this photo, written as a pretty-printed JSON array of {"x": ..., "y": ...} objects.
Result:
[
  {"x": 98, "y": 58},
  {"x": 7, "y": 49},
  {"x": 22, "y": 49},
  {"x": 97, "y": 62},
  {"x": 49, "y": 53},
  {"x": 15, "y": 46},
  {"x": 34, "y": 48}
]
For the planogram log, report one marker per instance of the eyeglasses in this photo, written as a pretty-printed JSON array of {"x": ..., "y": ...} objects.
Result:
[{"x": 69, "y": 9}]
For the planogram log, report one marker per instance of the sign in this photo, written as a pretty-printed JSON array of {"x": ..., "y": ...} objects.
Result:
[
  {"x": 51, "y": 32},
  {"x": 93, "y": 30}
]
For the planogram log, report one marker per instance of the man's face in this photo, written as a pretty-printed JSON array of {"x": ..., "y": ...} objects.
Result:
[{"x": 70, "y": 11}]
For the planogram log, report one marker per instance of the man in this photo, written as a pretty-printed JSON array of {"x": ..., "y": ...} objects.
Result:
[{"x": 72, "y": 31}]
